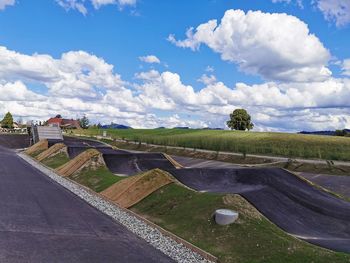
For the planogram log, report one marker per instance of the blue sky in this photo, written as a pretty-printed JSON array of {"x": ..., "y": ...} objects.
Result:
[{"x": 120, "y": 32}]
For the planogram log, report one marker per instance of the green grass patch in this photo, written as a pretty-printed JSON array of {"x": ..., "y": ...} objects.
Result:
[
  {"x": 253, "y": 238},
  {"x": 265, "y": 143},
  {"x": 97, "y": 180},
  {"x": 36, "y": 153},
  {"x": 56, "y": 161}
]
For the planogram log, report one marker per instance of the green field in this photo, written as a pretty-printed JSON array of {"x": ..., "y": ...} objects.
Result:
[{"x": 264, "y": 143}]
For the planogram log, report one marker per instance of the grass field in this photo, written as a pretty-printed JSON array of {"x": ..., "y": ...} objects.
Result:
[{"x": 265, "y": 143}]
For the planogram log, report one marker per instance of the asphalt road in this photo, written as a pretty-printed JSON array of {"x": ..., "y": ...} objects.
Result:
[
  {"x": 40, "y": 221},
  {"x": 188, "y": 162},
  {"x": 14, "y": 141},
  {"x": 295, "y": 206},
  {"x": 335, "y": 183},
  {"x": 133, "y": 163}
]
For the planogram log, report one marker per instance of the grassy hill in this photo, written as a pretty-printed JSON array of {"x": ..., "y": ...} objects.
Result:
[{"x": 265, "y": 143}]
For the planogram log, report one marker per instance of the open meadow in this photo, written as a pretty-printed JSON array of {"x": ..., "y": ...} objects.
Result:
[{"x": 264, "y": 143}]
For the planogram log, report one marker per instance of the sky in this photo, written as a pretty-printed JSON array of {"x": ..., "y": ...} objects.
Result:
[{"x": 153, "y": 63}]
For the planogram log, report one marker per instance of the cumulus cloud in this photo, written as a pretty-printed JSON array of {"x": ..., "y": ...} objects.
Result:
[
  {"x": 80, "y": 5},
  {"x": 207, "y": 79},
  {"x": 276, "y": 46},
  {"x": 17, "y": 91},
  {"x": 150, "y": 59},
  {"x": 273, "y": 105},
  {"x": 80, "y": 83},
  {"x": 5, "y": 3},
  {"x": 77, "y": 83},
  {"x": 76, "y": 73},
  {"x": 335, "y": 10},
  {"x": 346, "y": 67}
]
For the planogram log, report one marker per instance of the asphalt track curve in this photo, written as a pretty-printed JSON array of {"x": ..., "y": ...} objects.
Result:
[
  {"x": 189, "y": 162},
  {"x": 133, "y": 163},
  {"x": 295, "y": 206},
  {"x": 335, "y": 183},
  {"x": 40, "y": 221},
  {"x": 76, "y": 146},
  {"x": 14, "y": 141}
]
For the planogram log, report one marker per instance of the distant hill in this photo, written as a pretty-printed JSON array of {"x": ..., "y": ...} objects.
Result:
[
  {"x": 215, "y": 129},
  {"x": 116, "y": 126},
  {"x": 328, "y": 133}
]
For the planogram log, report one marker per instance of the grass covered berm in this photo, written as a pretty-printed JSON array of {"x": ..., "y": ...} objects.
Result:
[
  {"x": 264, "y": 143},
  {"x": 252, "y": 238}
]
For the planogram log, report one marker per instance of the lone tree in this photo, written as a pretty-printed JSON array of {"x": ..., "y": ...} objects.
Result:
[
  {"x": 240, "y": 120},
  {"x": 84, "y": 122},
  {"x": 7, "y": 122}
]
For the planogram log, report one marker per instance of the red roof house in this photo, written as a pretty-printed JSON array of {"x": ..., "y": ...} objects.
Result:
[{"x": 64, "y": 123}]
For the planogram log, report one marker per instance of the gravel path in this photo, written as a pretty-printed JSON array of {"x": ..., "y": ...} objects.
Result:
[{"x": 153, "y": 236}]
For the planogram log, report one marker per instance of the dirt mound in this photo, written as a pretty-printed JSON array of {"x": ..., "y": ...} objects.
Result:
[
  {"x": 41, "y": 145},
  {"x": 52, "y": 151},
  {"x": 132, "y": 190},
  {"x": 176, "y": 164},
  {"x": 90, "y": 158},
  {"x": 14, "y": 141}
]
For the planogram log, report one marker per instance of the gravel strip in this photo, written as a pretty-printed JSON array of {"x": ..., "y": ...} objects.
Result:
[{"x": 153, "y": 236}]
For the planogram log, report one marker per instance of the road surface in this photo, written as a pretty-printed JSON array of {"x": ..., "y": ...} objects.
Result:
[{"x": 40, "y": 221}]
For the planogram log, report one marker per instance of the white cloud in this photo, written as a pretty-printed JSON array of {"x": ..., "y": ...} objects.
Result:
[
  {"x": 98, "y": 3},
  {"x": 275, "y": 46},
  {"x": 80, "y": 83},
  {"x": 5, "y": 3},
  {"x": 80, "y": 5},
  {"x": 273, "y": 105},
  {"x": 150, "y": 59},
  {"x": 76, "y": 73},
  {"x": 346, "y": 67},
  {"x": 207, "y": 79},
  {"x": 209, "y": 69},
  {"x": 17, "y": 91},
  {"x": 298, "y": 2},
  {"x": 74, "y": 5},
  {"x": 335, "y": 10}
]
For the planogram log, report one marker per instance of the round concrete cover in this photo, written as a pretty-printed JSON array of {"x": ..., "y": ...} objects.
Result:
[{"x": 225, "y": 216}]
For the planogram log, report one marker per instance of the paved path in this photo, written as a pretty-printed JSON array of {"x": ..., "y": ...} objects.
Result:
[
  {"x": 40, "y": 221},
  {"x": 188, "y": 162},
  {"x": 335, "y": 183}
]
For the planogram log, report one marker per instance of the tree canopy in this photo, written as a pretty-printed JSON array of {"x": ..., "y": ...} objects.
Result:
[
  {"x": 7, "y": 122},
  {"x": 84, "y": 122},
  {"x": 240, "y": 120}
]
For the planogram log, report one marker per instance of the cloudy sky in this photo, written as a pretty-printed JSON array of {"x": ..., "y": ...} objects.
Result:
[{"x": 151, "y": 63}]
